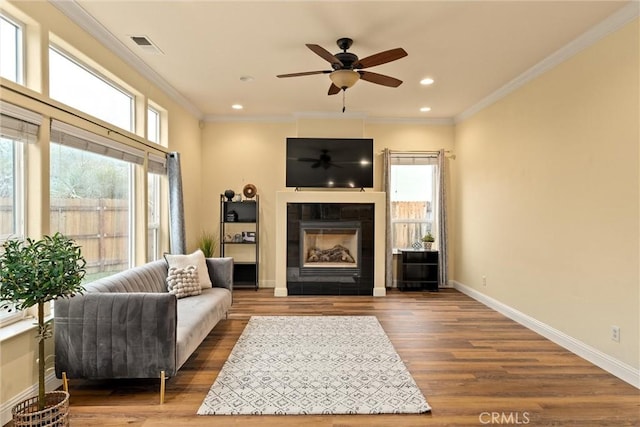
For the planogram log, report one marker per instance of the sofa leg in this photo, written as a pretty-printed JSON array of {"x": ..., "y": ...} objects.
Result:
[
  {"x": 65, "y": 382},
  {"x": 162, "y": 385}
]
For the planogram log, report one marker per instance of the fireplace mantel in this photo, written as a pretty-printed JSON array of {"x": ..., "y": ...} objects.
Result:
[{"x": 338, "y": 196}]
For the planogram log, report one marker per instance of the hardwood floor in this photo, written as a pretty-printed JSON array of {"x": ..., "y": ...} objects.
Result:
[{"x": 474, "y": 366}]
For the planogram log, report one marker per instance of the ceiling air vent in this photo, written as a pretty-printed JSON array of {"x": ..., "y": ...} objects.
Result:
[{"x": 146, "y": 44}]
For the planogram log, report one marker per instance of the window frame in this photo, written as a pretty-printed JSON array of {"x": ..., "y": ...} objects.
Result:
[
  {"x": 19, "y": 196},
  {"x": 429, "y": 223},
  {"x": 157, "y": 128},
  {"x": 100, "y": 76},
  {"x": 70, "y": 136},
  {"x": 20, "y": 42},
  {"x": 19, "y": 191}
]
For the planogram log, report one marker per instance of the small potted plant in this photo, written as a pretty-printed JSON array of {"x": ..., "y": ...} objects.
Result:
[
  {"x": 427, "y": 241},
  {"x": 32, "y": 273}
]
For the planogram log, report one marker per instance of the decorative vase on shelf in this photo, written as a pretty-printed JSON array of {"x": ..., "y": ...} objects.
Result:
[
  {"x": 427, "y": 245},
  {"x": 229, "y": 194}
]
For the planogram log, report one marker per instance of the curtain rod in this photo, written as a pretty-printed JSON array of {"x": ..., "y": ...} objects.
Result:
[{"x": 399, "y": 153}]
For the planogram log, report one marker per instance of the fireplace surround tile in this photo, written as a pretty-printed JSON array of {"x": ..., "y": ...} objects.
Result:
[{"x": 366, "y": 208}]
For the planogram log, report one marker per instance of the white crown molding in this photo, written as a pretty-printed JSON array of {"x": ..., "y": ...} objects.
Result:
[
  {"x": 210, "y": 118},
  {"x": 445, "y": 121},
  {"x": 610, "y": 364},
  {"x": 348, "y": 115},
  {"x": 613, "y": 23},
  {"x": 88, "y": 23},
  {"x": 439, "y": 121}
]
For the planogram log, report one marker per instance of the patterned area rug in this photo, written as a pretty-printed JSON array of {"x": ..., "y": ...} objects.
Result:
[{"x": 313, "y": 365}]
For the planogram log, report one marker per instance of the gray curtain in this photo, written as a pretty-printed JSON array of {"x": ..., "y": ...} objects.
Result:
[
  {"x": 442, "y": 220},
  {"x": 176, "y": 209},
  {"x": 386, "y": 187}
]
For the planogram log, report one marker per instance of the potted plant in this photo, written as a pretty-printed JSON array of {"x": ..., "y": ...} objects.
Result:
[
  {"x": 427, "y": 241},
  {"x": 32, "y": 273},
  {"x": 207, "y": 244}
]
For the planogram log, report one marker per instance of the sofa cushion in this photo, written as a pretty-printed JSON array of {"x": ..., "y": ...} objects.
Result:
[
  {"x": 183, "y": 282},
  {"x": 197, "y": 315},
  {"x": 197, "y": 258}
]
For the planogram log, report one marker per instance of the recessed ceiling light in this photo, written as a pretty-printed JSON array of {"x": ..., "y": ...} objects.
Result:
[
  {"x": 426, "y": 81},
  {"x": 246, "y": 78},
  {"x": 425, "y": 109},
  {"x": 237, "y": 107}
]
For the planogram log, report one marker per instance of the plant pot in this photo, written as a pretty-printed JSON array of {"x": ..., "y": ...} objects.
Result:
[
  {"x": 427, "y": 245},
  {"x": 55, "y": 413}
]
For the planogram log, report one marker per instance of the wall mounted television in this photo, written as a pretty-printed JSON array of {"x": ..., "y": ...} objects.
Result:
[{"x": 329, "y": 162}]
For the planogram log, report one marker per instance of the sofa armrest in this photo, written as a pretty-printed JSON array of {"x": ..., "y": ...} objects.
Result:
[
  {"x": 221, "y": 272},
  {"x": 115, "y": 335}
]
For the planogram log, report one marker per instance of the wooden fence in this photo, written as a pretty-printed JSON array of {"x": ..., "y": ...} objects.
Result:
[
  {"x": 99, "y": 226},
  {"x": 412, "y": 221}
]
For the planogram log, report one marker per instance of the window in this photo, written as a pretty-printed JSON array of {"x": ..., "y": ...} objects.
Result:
[
  {"x": 78, "y": 87},
  {"x": 156, "y": 169},
  {"x": 11, "y": 57},
  {"x": 153, "y": 217},
  {"x": 11, "y": 188},
  {"x": 91, "y": 184},
  {"x": 413, "y": 197},
  {"x": 17, "y": 128},
  {"x": 11, "y": 196},
  {"x": 153, "y": 125}
]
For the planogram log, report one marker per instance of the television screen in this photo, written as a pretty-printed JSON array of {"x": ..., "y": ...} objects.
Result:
[{"x": 329, "y": 162}]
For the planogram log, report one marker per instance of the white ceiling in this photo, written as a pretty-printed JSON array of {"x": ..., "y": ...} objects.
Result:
[{"x": 470, "y": 48}]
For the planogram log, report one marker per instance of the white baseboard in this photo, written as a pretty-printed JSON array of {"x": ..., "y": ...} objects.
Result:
[
  {"x": 51, "y": 383},
  {"x": 610, "y": 364}
]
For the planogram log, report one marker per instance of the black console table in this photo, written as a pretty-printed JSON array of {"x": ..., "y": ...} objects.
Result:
[{"x": 418, "y": 270}]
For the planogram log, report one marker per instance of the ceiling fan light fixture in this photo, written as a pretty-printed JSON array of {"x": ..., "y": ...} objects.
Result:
[{"x": 344, "y": 79}]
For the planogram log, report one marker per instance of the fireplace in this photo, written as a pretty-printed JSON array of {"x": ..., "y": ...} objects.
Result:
[
  {"x": 330, "y": 248},
  {"x": 366, "y": 207}
]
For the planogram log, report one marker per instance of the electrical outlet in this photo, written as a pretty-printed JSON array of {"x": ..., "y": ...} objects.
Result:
[
  {"x": 615, "y": 333},
  {"x": 484, "y": 280}
]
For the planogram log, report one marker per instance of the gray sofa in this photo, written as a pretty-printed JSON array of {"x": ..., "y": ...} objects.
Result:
[{"x": 129, "y": 326}]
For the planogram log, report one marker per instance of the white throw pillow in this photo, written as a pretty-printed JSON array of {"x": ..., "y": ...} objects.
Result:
[
  {"x": 183, "y": 282},
  {"x": 196, "y": 259}
]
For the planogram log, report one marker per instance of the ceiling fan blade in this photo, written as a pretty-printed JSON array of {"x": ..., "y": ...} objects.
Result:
[
  {"x": 381, "y": 58},
  {"x": 333, "y": 89},
  {"x": 325, "y": 54},
  {"x": 380, "y": 79},
  {"x": 305, "y": 73}
]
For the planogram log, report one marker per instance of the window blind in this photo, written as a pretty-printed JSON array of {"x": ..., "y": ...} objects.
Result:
[
  {"x": 72, "y": 136},
  {"x": 414, "y": 158},
  {"x": 157, "y": 164},
  {"x": 19, "y": 124}
]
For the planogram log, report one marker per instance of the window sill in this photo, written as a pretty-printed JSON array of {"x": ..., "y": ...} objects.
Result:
[{"x": 20, "y": 327}]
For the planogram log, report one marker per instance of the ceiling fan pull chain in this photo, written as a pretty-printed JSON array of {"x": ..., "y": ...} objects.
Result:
[{"x": 344, "y": 95}]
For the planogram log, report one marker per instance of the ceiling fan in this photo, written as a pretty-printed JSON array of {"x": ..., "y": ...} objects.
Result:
[{"x": 347, "y": 68}]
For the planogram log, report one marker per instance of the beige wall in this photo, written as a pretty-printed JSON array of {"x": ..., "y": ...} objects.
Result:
[
  {"x": 237, "y": 153},
  {"x": 547, "y": 197}
]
